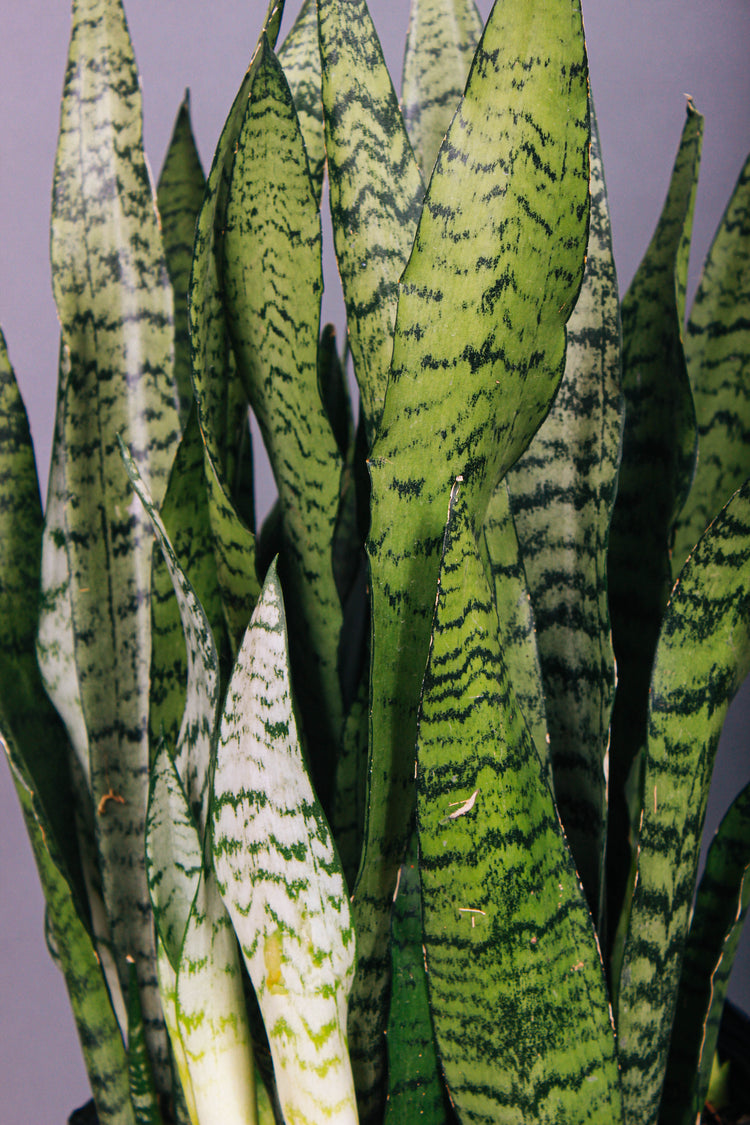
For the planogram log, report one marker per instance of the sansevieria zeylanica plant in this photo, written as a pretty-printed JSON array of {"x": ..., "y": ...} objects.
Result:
[{"x": 349, "y": 816}]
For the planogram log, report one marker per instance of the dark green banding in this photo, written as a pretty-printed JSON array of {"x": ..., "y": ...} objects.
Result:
[
  {"x": 702, "y": 657},
  {"x": 715, "y": 930},
  {"x": 300, "y": 60},
  {"x": 478, "y": 354},
  {"x": 271, "y": 271},
  {"x": 179, "y": 196},
  {"x": 376, "y": 190},
  {"x": 415, "y": 1088},
  {"x": 114, "y": 301},
  {"x": 516, "y": 983},
  {"x": 142, "y": 1090},
  {"x": 440, "y": 44},
  {"x": 562, "y": 492},
  {"x": 658, "y": 460},
  {"x": 717, "y": 349},
  {"x": 499, "y": 550}
]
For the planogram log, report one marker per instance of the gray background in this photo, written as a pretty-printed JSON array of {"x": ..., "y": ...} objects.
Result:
[{"x": 644, "y": 56}]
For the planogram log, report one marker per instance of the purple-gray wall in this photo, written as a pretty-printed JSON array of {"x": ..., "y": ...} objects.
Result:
[{"x": 644, "y": 58}]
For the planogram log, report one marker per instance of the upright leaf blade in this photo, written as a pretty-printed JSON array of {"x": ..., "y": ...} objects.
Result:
[
  {"x": 658, "y": 459},
  {"x": 300, "y": 59},
  {"x": 280, "y": 878},
  {"x": 715, "y": 930},
  {"x": 115, "y": 306},
  {"x": 376, "y": 190},
  {"x": 562, "y": 492},
  {"x": 717, "y": 350},
  {"x": 179, "y": 195},
  {"x": 702, "y": 657},
  {"x": 440, "y": 44},
  {"x": 517, "y": 991},
  {"x": 497, "y": 262},
  {"x": 273, "y": 282}
]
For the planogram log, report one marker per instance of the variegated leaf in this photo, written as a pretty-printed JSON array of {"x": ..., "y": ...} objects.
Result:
[
  {"x": 142, "y": 1090},
  {"x": 658, "y": 460},
  {"x": 478, "y": 354},
  {"x": 717, "y": 350},
  {"x": 440, "y": 44},
  {"x": 280, "y": 878},
  {"x": 562, "y": 492},
  {"x": 115, "y": 306},
  {"x": 715, "y": 930},
  {"x": 702, "y": 657},
  {"x": 179, "y": 195},
  {"x": 273, "y": 285},
  {"x": 300, "y": 60},
  {"x": 376, "y": 190},
  {"x": 517, "y": 992}
]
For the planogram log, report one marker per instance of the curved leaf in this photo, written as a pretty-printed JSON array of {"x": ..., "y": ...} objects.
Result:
[
  {"x": 497, "y": 261},
  {"x": 271, "y": 271},
  {"x": 179, "y": 195},
  {"x": 280, "y": 878},
  {"x": 715, "y": 930},
  {"x": 115, "y": 306},
  {"x": 300, "y": 60},
  {"x": 717, "y": 350},
  {"x": 702, "y": 657},
  {"x": 562, "y": 491},
  {"x": 440, "y": 44},
  {"x": 516, "y": 983},
  {"x": 658, "y": 460},
  {"x": 376, "y": 190}
]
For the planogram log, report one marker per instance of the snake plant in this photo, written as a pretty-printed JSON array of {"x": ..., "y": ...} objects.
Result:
[{"x": 389, "y": 808}]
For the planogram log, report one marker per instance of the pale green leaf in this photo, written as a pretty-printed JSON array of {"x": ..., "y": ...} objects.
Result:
[{"x": 280, "y": 877}]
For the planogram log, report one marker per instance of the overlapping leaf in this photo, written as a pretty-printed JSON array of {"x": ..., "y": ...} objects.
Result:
[
  {"x": 115, "y": 306},
  {"x": 562, "y": 492},
  {"x": 179, "y": 196},
  {"x": 516, "y": 984},
  {"x": 440, "y": 44},
  {"x": 376, "y": 190},
  {"x": 271, "y": 271},
  {"x": 300, "y": 60},
  {"x": 717, "y": 349},
  {"x": 478, "y": 354},
  {"x": 715, "y": 930},
  {"x": 280, "y": 877},
  {"x": 658, "y": 459},
  {"x": 702, "y": 656}
]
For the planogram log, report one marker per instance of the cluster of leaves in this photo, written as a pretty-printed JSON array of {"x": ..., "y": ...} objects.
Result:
[{"x": 298, "y": 798}]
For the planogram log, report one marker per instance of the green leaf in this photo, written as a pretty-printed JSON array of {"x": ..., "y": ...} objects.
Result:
[
  {"x": 198, "y": 963},
  {"x": 115, "y": 306},
  {"x": 497, "y": 261},
  {"x": 280, "y": 878},
  {"x": 715, "y": 930},
  {"x": 499, "y": 549},
  {"x": 185, "y": 516},
  {"x": 717, "y": 349},
  {"x": 25, "y": 710},
  {"x": 179, "y": 196},
  {"x": 273, "y": 282},
  {"x": 517, "y": 992},
  {"x": 300, "y": 60},
  {"x": 415, "y": 1088},
  {"x": 702, "y": 657},
  {"x": 562, "y": 491},
  {"x": 98, "y": 1031},
  {"x": 376, "y": 190},
  {"x": 173, "y": 854},
  {"x": 440, "y": 44},
  {"x": 658, "y": 459},
  {"x": 211, "y": 1016},
  {"x": 142, "y": 1089}
]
